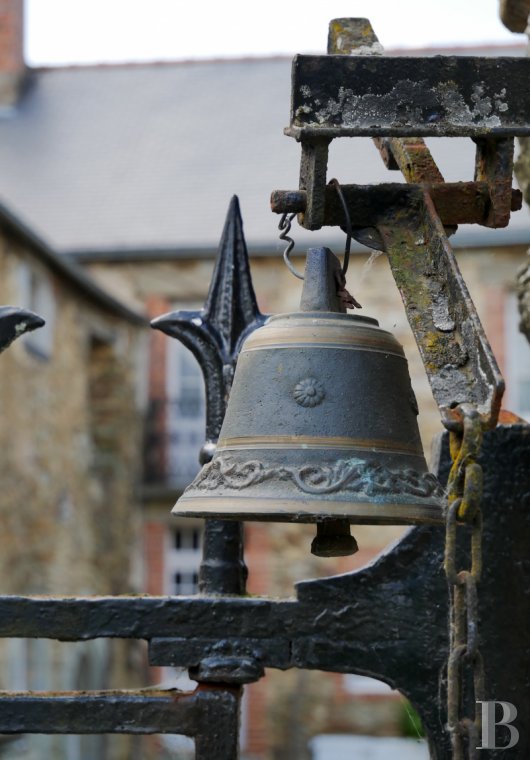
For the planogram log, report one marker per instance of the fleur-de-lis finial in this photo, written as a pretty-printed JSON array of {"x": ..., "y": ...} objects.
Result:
[
  {"x": 14, "y": 322},
  {"x": 215, "y": 333}
]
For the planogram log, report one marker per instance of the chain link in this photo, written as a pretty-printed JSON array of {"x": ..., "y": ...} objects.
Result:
[{"x": 464, "y": 515}]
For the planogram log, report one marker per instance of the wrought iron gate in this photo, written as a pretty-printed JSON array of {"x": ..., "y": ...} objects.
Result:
[{"x": 388, "y": 620}]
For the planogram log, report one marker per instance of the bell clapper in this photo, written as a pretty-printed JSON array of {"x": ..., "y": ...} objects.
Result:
[{"x": 333, "y": 539}]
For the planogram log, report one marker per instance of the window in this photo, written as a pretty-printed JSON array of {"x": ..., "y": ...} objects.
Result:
[
  {"x": 185, "y": 418},
  {"x": 36, "y": 294},
  {"x": 517, "y": 363},
  {"x": 363, "y": 685},
  {"x": 183, "y": 558}
]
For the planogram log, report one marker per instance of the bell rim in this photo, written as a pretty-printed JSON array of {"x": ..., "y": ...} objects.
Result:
[{"x": 296, "y": 511}]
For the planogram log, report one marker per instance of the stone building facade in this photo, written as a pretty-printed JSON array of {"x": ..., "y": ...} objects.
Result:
[{"x": 69, "y": 498}]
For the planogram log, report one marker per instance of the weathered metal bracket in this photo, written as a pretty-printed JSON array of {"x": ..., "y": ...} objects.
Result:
[
  {"x": 458, "y": 358},
  {"x": 451, "y": 96},
  {"x": 341, "y": 95},
  {"x": 456, "y": 354},
  {"x": 494, "y": 160},
  {"x": 455, "y": 202}
]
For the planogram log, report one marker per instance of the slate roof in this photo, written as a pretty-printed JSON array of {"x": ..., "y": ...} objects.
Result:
[
  {"x": 145, "y": 157},
  {"x": 68, "y": 270}
]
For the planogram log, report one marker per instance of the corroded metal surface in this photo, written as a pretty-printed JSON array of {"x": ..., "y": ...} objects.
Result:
[
  {"x": 494, "y": 164},
  {"x": 455, "y": 202},
  {"x": 348, "y": 34},
  {"x": 411, "y": 156},
  {"x": 487, "y": 201},
  {"x": 457, "y": 356},
  {"x": 313, "y": 167},
  {"x": 147, "y": 711},
  {"x": 210, "y": 715},
  {"x": 339, "y": 96}
]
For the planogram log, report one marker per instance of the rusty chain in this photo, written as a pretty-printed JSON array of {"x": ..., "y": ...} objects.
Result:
[{"x": 464, "y": 514}]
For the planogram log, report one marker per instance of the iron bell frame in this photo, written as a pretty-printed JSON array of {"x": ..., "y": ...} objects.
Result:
[{"x": 388, "y": 620}]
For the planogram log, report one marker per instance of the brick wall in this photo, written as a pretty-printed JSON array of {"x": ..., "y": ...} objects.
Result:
[{"x": 11, "y": 50}]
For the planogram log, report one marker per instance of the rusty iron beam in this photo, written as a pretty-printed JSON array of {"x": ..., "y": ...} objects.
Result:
[
  {"x": 208, "y": 714},
  {"x": 457, "y": 357},
  {"x": 313, "y": 168},
  {"x": 450, "y": 96},
  {"x": 455, "y": 202},
  {"x": 411, "y": 156},
  {"x": 494, "y": 165}
]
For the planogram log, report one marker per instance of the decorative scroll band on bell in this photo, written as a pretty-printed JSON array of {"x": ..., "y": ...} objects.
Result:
[{"x": 344, "y": 475}]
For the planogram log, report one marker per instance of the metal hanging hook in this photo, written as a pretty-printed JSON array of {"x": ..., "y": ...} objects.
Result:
[{"x": 285, "y": 227}]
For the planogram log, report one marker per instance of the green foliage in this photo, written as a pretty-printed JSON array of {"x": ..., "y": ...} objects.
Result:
[{"x": 410, "y": 721}]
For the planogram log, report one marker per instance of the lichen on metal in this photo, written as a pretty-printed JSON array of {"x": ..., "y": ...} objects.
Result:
[{"x": 339, "y": 96}]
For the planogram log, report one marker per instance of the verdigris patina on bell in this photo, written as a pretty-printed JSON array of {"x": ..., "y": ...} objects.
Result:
[{"x": 321, "y": 423}]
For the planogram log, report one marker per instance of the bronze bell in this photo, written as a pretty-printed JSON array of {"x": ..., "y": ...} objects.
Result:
[{"x": 320, "y": 426}]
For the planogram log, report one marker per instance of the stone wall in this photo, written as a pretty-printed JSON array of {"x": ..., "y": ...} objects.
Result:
[{"x": 70, "y": 433}]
